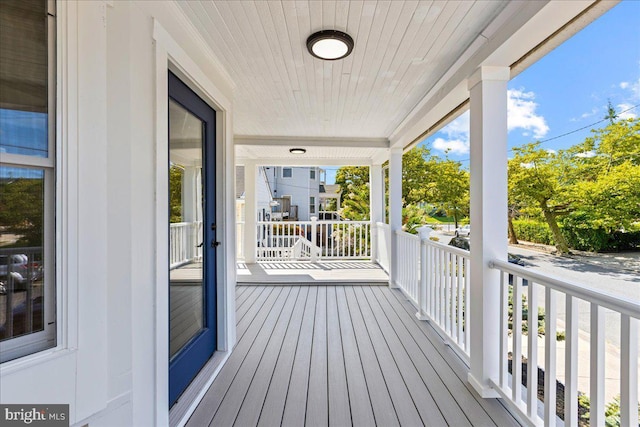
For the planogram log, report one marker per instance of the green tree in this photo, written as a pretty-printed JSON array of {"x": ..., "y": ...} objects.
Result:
[
  {"x": 22, "y": 209},
  {"x": 451, "y": 192},
  {"x": 176, "y": 174},
  {"x": 535, "y": 178},
  {"x": 354, "y": 183}
]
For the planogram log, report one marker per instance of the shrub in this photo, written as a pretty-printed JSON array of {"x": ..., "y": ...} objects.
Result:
[
  {"x": 533, "y": 231},
  {"x": 581, "y": 234}
]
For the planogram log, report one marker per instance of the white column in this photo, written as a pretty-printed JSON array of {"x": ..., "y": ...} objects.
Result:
[
  {"x": 190, "y": 194},
  {"x": 395, "y": 209},
  {"x": 191, "y": 212},
  {"x": 488, "y": 133},
  {"x": 376, "y": 207},
  {"x": 250, "y": 213}
]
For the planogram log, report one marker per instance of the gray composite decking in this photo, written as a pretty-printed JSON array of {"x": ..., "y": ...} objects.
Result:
[{"x": 339, "y": 356}]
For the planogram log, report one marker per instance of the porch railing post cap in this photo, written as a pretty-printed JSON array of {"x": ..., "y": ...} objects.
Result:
[{"x": 425, "y": 231}]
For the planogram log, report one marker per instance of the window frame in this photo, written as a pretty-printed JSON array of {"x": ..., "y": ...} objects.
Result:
[
  {"x": 312, "y": 205},
  {"x": 312, "y": 174},
  {"x": 290, "y": 171},
  {"x": 49, "y": 338}
]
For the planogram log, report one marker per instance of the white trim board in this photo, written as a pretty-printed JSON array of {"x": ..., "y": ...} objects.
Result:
[{"x": 170, "y": 56}]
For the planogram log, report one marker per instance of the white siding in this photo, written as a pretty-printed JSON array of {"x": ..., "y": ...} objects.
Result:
[
  {"x": 300, "y": 187},
  {"x": 108, "y": 365}
]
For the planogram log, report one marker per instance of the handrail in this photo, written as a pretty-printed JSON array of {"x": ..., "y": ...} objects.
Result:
[
  {"x": 448, "y": 248},
  {"x": 603, "y": 299}
]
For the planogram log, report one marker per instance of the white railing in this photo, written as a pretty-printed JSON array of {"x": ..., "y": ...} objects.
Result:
[
  {"x": 276, "y": 239},
  {"x": 315, "y": 240},
  {"x": 444, "y": 285},
  {"x": 517, "y": 307},
  {"x": 408, "y": 277},
  {"x": 185, "y": 243},
  {"x": 383, "y": 250},
  {"x": 344, "y": 239},
  {"x": 240, "y": 239}
]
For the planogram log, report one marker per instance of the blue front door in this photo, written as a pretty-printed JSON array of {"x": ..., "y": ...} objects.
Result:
[{"x": 192, "y": 235}]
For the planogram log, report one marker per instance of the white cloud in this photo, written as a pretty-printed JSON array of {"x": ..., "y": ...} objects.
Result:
[
  {"x": 454, "y": 146},
  {"x": 550, "y": 151},
  {"x": 624, "y": 85},
  {"x": 455, "y": 137},
  {"x": 586, "y": 154},
  {"x": 634, "y": 88},
  {"x": 624, "y": 114},
  {"x": 527, "y": 165},
  {"x": 522, "y": 113}
]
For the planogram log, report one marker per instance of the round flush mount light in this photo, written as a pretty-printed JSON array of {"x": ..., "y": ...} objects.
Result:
[
  {"x": 297, "y": 150},
  {"x": 330, "y": 44}
]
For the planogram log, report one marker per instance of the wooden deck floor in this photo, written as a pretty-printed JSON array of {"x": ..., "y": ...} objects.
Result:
[{"x": 339, "y": 356}]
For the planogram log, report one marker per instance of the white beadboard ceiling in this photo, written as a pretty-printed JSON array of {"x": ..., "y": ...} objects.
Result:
[{"x": 402, "y": 48}]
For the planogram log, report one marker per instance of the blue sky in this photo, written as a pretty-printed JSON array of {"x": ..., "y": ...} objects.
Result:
[{"x": 567, "y": 89}]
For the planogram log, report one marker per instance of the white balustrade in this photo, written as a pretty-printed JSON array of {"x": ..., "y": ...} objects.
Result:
[
  {"x": 240, "y": 240},
  {"x": 313, "y": 240},
  {"x": 185, "y": 243},
  {"x": 408, "y": 279},
  {"x": 520, "y": 292},
  {"x": 444, "y": 296},
  {"x": 383, "y": 251}
]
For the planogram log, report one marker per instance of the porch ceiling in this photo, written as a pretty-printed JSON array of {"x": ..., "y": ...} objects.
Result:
[
  {"x": 408, "y": 70},
  {"x": 402, "y": 48}
]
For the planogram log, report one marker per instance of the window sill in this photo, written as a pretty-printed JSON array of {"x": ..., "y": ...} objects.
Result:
[{"x": 26, "y": 362}]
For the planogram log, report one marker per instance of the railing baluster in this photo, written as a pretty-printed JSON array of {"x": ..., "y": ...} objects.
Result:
[
  {"x": 516, "y": 332},
  {"x": 460, "y": 302},
  {"x": 467, "y": 305},
  {"x": 628, "y": 371},
  {"x": 504, "y": 331},
  {"x": 532, "y": 356},
  {"x": 453, "y": 297},
  {"x": 571, "y": 367},
  {"x": 596, "y": 411},
  {"x": 551, "y": 314}
]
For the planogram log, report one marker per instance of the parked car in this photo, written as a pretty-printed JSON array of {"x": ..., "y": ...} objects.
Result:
[
  {"x": 16, "y": 269},
  {"x": 465, "y": 230},
  {"x": 462, "y": 243}
]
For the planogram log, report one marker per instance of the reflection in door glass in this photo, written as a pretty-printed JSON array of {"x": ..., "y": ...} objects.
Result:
[{"x": 185, "y": 229}]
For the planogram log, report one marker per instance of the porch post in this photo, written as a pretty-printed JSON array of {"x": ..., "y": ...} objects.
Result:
[
  {"x": 192, "y": 205},
  {"x": 375, "y": 205},
  {"x": 488, "y": 134},
  {"x": 250, "y": 213},
  {"x": 395, "y": 209}
]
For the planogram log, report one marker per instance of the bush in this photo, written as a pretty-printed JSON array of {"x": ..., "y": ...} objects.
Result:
[
  {"x": 583, "y": 235},
  {"x": 533, "y": 231}
]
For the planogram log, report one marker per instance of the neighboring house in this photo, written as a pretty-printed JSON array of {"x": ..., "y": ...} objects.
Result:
[
  {"x": 289, "y": 193},
  {"x": 294, "y": 187}
]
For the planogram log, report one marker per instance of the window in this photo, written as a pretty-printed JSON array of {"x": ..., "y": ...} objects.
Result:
[
  {"x": 27, "y": 178},
  {"x": 312, "y": 205},
  {"x": 312, "y": 174},
  {"x": 287, "y": 172}
]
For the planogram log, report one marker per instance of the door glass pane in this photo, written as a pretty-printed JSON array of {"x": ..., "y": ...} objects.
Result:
[
  {"x": 23, "y": 77},
  {"x": 186, "y": 304},
  {"x": 21, "y": 251}
]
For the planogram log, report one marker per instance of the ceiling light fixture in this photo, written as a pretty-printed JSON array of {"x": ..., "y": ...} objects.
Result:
[
  {"x": 297, "y": 150},
  {"x": 330, "y": 44}
]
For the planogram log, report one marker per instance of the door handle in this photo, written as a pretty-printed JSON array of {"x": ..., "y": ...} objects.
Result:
[{"x": 214, "y": 244}]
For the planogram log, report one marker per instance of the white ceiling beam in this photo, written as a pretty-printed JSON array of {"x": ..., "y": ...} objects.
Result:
[
  {"x": 288, "y": 141},
  {"x": 515, "y": 33},
  {"x": 362, "y": 161}
]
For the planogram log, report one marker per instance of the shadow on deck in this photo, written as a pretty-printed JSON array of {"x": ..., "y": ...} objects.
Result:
[
  {"x": 339, "y": 355},
  {"x": 292, "y": 272}
]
